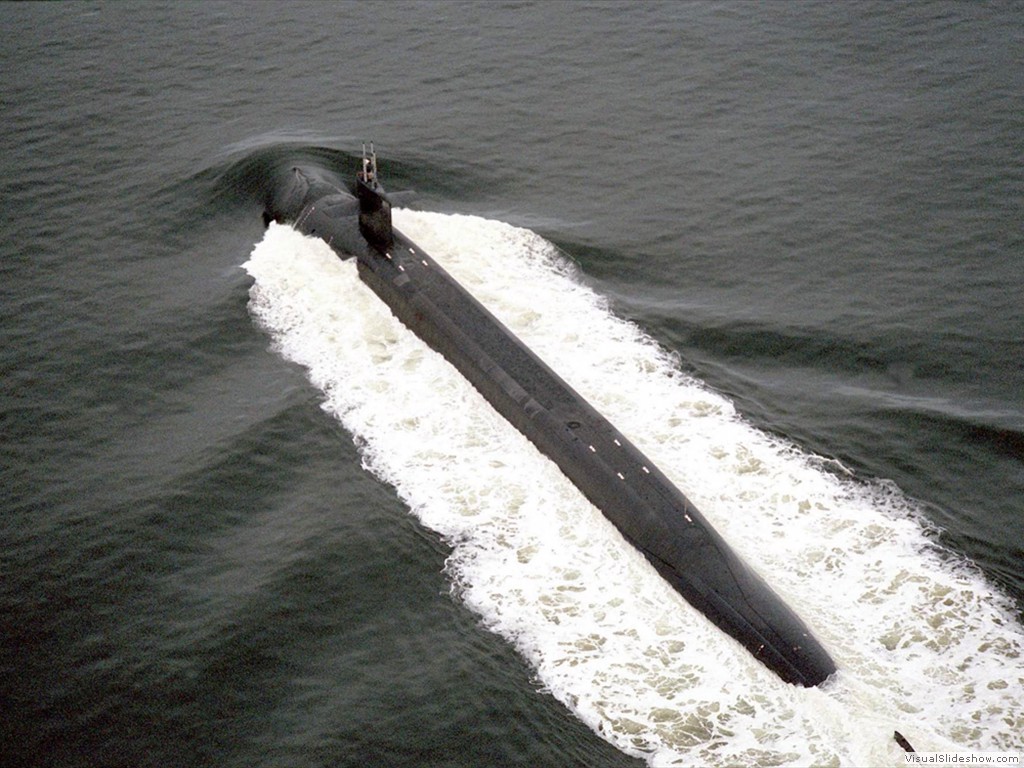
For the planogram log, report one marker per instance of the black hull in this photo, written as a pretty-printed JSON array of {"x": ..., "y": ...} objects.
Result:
[{"x": 649, "y": 511}]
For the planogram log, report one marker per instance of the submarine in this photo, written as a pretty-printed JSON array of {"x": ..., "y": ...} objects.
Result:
[{"x": 644, "y": 505}]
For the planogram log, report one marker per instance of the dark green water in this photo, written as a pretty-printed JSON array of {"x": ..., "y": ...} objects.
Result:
[{"x": 816, "y": 207}]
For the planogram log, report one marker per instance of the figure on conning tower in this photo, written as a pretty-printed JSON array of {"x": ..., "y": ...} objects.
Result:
[{"x": 369, "y": 173}]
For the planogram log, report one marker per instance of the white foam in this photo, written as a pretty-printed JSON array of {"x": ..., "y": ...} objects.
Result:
[{"x": 924, "y": 644}]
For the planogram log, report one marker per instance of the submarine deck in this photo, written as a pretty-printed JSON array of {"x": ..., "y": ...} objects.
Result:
[{"x": 647, "y": 508}]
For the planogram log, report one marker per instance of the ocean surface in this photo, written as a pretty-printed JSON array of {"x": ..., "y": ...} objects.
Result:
[{"x": 248, "y": 519}]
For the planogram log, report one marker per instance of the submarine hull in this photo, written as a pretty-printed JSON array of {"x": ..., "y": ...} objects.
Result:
[{"x": 648, "y": 510}]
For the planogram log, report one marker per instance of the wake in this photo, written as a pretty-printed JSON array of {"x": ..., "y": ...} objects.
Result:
[{"x": 924, "y": 644}]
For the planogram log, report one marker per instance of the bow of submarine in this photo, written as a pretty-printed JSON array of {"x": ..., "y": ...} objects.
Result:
[
  {"x": 318, "y": 203},
  {"x": 692, "y": 557}
]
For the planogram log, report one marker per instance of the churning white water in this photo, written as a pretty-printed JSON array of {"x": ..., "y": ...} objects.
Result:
[{"x": 924, "y": 644}]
